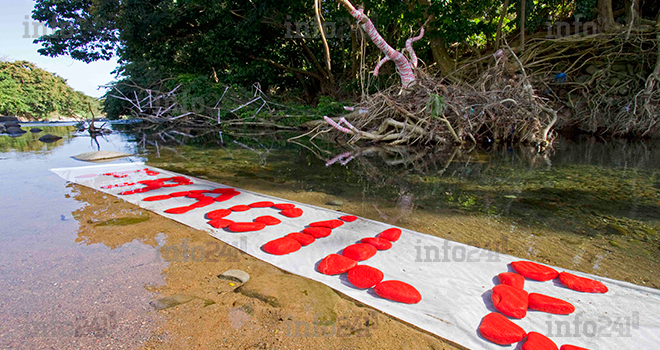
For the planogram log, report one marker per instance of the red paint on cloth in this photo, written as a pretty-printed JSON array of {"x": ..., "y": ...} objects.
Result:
[
  {"x": 223, "y": 190},
  {"x": 224, "y": 197},
  {"x": 240, "y": 207},
  {"x": 582, "y": 284},
  {"x": 534, "y": 270},
  {"x": 510, "y": 301},
  {"x": 538, "y": 341},
  {"x": 327, "y": 223},
  {"x": 379, "y": 243},
  {"x": 398, "y": 291},
  {"x": 264, "y": 204},
  {"x": 281, "y": 246},
  {"x": 512, "y": 279},
  {"x": 540, "y": 302},
  {"x": 180, "y": 194},
  {"x": 157, "y": 198},
  {"x": 335, "y": 264},
  {"x": 349, "y": 218},
  {"x": 218, "y": 214},
  {"x": 179, "y": 210},
  {"x": 281, "y": 206},
  {"x": 303, "y": 238},
  {"x": 203, "y": 203},
  {"x": 220, "y": 223},
  {"x": 363, "y": 276},
  {"x": 359, "y": 251},
  {"x": 391, "y": 234},
  {"x": 500, "y": 330}
]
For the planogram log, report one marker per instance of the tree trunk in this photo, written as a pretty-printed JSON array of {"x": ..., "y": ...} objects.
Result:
[
  {"x": 441, "y": 56},
  {"x": 498, "y": 38},
  {"x": 632, "y": 12},
  {"x": 605, "y": 15},
  {"x": 523, "y": 15}
]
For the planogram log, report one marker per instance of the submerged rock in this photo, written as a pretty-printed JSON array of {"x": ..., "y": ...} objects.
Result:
[
  {"x": 235, "y": 275},
  {"x": 15, "y": 130},
  {"x": 100, "y": 156},
  {"x": 49, "y": 138},
  {"x": 170, "y": 301},
  {"x": 5, "y": 118},
  {"x": 35, "y": 130}
]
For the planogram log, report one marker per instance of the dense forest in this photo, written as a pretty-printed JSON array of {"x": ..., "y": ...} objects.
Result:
[
  {"x": 30, "y": 92},
  {"x": 592, "y": 64}
]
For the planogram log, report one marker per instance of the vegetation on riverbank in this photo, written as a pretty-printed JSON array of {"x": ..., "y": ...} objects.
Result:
[{"x": 32, "y": 93}]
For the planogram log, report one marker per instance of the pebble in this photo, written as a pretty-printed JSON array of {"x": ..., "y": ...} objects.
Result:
[
  {"x": 336, "y": 202},
  {"x": 235, "y": 275}
]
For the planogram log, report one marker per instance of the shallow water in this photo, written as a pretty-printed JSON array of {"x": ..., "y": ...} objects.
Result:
[{"x": 79, "y": 268}]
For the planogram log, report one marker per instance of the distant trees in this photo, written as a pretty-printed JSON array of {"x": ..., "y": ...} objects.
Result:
[{"x": 28, "y": 91}]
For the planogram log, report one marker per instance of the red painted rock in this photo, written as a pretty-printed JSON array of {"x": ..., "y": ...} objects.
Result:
[
  {"x": 571, "y": 347},
  {"x": 335, "y": 264},
  {"x": 268, "y": 220},
  {"x": 363, "y": 276},
  {"x": 282, "y": 246},
  {"x": 240, "y": 207},
  {"x": 223, "y": 190},
  {"x": 540, "y": 302},
  {"x": 317, "y": 232},
  {"x": 179, "y": 179},
  {"x": 500, "y": 330},
  {"x": 379, "y": 243},
  {"x": 180, "y": 194},
  {"x": 398, "y": 291},
  {"x": 224, "y": 197},
  {"x": 534, "y": 270},
  {"x": 194, "y": 195},
  {"x": 292, "y": 213},
  {"x": 203, "y": 202},
  {"x": 349, "y": 218},
  {"x": 582, "y": 284},
  {"x": 264, "y": 204},
  {"x": 391, "y": 234},
  {"x": 199, "y": 191},
  {"x": 303, "y": 238},
  {"x": 512, "y": 279},
  {"x": 246, "y": 226},
  {"x": 218, "y": 214},
  {"x": 538, "y": 341},
  {"x": 179, "y": 210},
  {"x": 510, "y": 301},
  {"x": 157, "y": 198},
  {"x": 281, "y": 206},
  {"x": 220, "y": 223},
  {"x": 359, "y": 251},
  {"x": 327, "y": 223}
]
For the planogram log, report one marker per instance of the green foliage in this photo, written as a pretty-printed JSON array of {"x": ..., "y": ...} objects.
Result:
[{"x": 28, "y": 91}]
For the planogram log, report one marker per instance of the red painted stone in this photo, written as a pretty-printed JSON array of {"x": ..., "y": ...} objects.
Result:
[
  {"x": 284, "y": 206},
  {"x": 512, "y": 279},
  {"x": 194, "y": 195},
  {"x": 179, "y": 210},
  {"x": 246, "y": 226},
  {"x": 281, "y": 246},
  {"x": 510, "y": 301},
  {"x": 359, "y": 251},
  {"x": 180, "y": 194},
  {"x": 363, "y": 276},
  {"x": 398, "y": 291},
  {"x": 220, "y": 223},
  {"x": 327, "y": 223},
  {"x": 218, "y": 214},
  {"x": 334, "y": 264},
  {"x": 292, "y": 213},
  {"x": 203, "y": 203},
  {"x": 582, "y": 284},
  {"x": 303, "y": 238},
  {"x": 534, "y": 270},
  {"x": 538, "y": 341},
  {"x": 317, "y": 232},
  {"x": 240, "y": 207},
  {"x": 223, "y": 190},
  {"x": 540, "y": 302},
  {"x": 199, "y": 191},
  {"x": 500, "y": 330},
  {"x": 391, "y": 234},
  {"x": 264, "y": 204},
  {"x": 224, "y": 197},
  {"x": 571, "y": 347},
  {"x": 157, "y": 198},
  {"x": 268, "y": 220},
  {"x": 349, "y": 218},
  {"x": 379, "y": 243}
]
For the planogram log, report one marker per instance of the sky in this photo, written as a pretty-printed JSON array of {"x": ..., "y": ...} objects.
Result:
[{"x": 14, "y": 46}]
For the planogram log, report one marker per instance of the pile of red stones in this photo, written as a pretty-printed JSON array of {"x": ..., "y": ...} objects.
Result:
[
  {"x": 151, "y": 185},
  {"x": 364, "y": 276},
  {"x": 511, "y": 299},
  {"x": 296, "y": 240},
  {"x": 217, "y": 217}
]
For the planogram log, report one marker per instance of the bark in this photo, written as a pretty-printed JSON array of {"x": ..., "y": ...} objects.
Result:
[
  {"x": 605, "y": 15},
  {"x": 438, "y": 46},
  {"x": 498, "y": 38},
  {"x": 523, "y": 15}
]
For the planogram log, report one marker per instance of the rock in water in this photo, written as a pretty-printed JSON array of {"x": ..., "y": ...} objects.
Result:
[
  {"x": 172, "y": 300},
  {"x": 35, "y": 130},
  {"x": 235, "y": 275},
  {"x": 15, "y": 130},
  {"x": 100, "y": 156},
  {"x": 5, "y": 118},
  {"x": 49, "y": 138}
]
